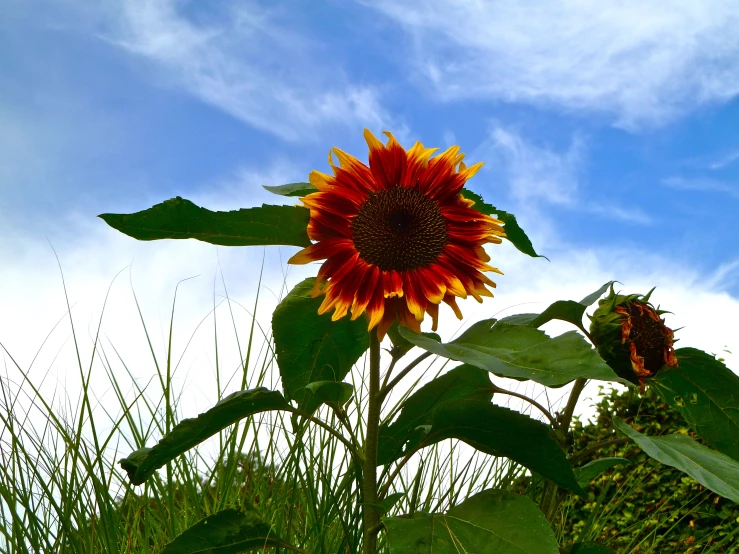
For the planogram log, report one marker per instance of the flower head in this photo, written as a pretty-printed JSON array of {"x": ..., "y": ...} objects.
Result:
[
  {"x": 632, "y": 337},
  {"x": 396, "y": 235}
]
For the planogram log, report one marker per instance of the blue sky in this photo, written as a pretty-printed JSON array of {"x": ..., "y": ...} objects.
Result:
[{"x": 608, "y": 127}]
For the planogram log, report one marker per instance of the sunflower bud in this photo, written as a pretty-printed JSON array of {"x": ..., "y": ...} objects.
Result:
[{"x": 632, "y": 337}]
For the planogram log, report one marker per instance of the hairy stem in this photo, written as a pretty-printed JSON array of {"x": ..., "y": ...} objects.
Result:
[{"x": 369, "y": 471}]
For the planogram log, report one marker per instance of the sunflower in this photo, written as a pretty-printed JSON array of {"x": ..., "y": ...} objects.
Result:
[
  {"x": 397, "y": 236},
  {"x": 650, "y": 341},
  {"x": 632, "y": 337}
]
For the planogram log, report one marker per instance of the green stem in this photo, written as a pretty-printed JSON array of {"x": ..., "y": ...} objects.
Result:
[
  {"x": 551, "y": 498},
  {"x": 369, "y": 471}
]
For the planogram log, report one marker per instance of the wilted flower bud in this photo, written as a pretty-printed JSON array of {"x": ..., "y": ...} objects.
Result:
[{"x": 632, "y": 337}]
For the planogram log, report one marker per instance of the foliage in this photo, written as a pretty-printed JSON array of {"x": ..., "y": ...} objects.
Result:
[{"x": 644, "y": 506}]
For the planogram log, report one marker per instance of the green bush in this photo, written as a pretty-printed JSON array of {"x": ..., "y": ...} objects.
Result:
[{"x": 645, "y": 506}]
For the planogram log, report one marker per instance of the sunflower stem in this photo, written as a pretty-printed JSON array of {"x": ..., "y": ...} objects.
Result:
[{"x": 369, "y": 471}]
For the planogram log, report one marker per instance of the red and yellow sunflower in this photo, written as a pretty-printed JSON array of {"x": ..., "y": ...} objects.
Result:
[{"x": 397, "y": 236}]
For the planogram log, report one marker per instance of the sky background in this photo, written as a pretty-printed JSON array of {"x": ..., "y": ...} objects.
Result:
[{"x": 609, "y": 128}]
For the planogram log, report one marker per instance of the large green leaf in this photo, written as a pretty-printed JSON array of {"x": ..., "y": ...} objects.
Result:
[
  {"x": 178, "y": 218},
  {"x": 513, "y": 230},
  {"x": 226, "y": 532},
  {"x": 461, "y": 382},
  {"x": 706, "y": 393},
  {"x": 591, "y": 470},
  {"x": 491, "y": 521},
  {"x": 141, "y": 464},
  {"x": 569, "y": 310},
  {"x": 711, "y": 469},
  {"x": 292, "y": 189},
  {"x": 521, "y": 352},
  {"x": 311, "y": 347},
  {"x": 501, "y": 432}
]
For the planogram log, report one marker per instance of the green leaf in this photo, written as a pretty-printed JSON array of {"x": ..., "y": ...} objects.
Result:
[
  {"x": 513, "y": 231},
  {"x": 331, "y": 391},
  {"x": 569, "y": 310},
  {"x": 461, "y": 382},
  {"x": 292, "y": 189},
  {"x": 226, "y": 532},
  {"x": 178, "y": 218},
  {"x": 588, "y": 548},
  {"x": 591, "y": 470},
  {"x": 311, "y": 347},
  {"x": 141, "y": 464},
  {"x": 591, "y": 298},
  {"x": 491, "y": 521},
  {"x": 706, "y": 393},
  {"x": 505, "y": 433},
  {"x": 522, "y": 352},
  {"x": 711, "y": 469}
]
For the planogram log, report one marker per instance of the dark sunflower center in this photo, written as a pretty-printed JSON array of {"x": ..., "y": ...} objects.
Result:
[
  {"x": 399, "y": 228},
  {"x": 646, "y": 334}
]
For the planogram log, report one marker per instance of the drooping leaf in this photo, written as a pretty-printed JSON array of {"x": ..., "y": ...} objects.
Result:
[
  {"x": 513, "y": 230},
  {"x": 226, "y": 532},
  {"x": 311, "y": 347},
  {"x": 178, "y": 218},
  {"x": 522, "y": 352},
  {"x": 465, "y": 381},
  {"x": 331, "y": 391},
  {"x": 711, "y": 469},
  {"x": 504, "y": 433},
  {"x": 591, "y": 470},
  {"x": 569, "y": 310},
  {"x": 588, "y": 548},
  {"x": 706, "y": 393},
  {"x": 141, "y": 464},
  {"x": 292, "y": 189},
  {"x": 491, "y": 521}
]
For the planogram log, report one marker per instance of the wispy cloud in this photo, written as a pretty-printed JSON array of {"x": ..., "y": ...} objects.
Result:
[
  {"x": 534, "y": 172},
  {"x": 245, "y": 61},
  {"x": 702, "y": 184},
  {"x": 641, "y": 62},
  {"x": 611, "y": 211},
  {"x": 725, "y": 160},
  {"x": 539, "y": 174}
]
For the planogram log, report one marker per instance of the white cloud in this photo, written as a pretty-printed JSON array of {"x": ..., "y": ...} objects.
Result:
[
  {"x": 725, "y": 160},
  {"x": 534, "y": 172},
  {"x": 642, "y": 63},
  {"x": 537, "y": 174},
  {"x": 248, "y": 64},
  {"x": 702, "y": 184}
]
